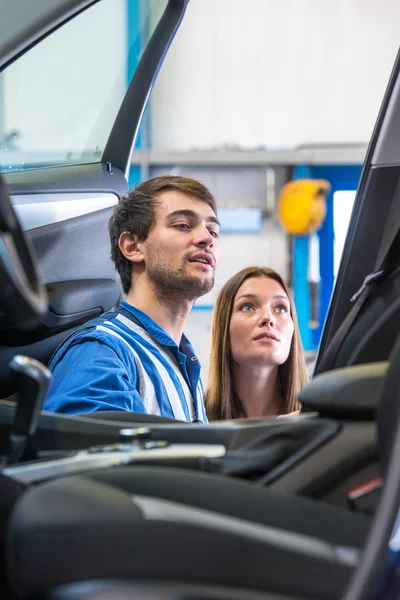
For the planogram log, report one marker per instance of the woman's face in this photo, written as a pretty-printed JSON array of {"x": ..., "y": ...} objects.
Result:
[{"x": 261, "y": 327}]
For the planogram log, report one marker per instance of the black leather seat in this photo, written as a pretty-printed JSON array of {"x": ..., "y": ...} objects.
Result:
[
  {"x": 175, "y": 525},
  {"x": 180, "y": 525}
]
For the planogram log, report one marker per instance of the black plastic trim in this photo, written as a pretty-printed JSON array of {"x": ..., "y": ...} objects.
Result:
[
  {"x": 86, "y": 178},
  {"x": 327, "y": 430},
  {"x": 350, "y": 392},
  {"x": 374, "y": 567},
  {"x": 57, "y": 431},
  {"x": 375, "y": 197},
  {"x": 342, "y": 292},
  {"x": 122, "y": 589},
  {"x": 120, "y": 143}
]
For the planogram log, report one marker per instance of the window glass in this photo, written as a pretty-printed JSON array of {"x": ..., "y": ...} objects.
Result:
[
  {"x": 343, "y": 202},
  {"x": 59, "y": 100}
]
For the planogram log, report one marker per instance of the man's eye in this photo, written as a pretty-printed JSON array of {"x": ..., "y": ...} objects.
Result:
[
  {"x": 183, "y": 226},
  {"x": 215, "y": 234}
]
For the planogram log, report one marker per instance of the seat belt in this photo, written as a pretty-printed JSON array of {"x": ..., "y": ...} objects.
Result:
[
  {"x": 382, "y": 268},
  {"x": 382, "y": 334}
]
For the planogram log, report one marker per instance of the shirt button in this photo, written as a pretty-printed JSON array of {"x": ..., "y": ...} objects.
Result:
[{"x": 194, "y": 358}]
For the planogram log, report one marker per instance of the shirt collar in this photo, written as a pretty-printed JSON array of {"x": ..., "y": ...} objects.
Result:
[{"x": 157, "y": 332}]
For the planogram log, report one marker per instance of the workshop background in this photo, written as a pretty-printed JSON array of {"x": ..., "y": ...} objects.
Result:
[{"x": 252, "y": 94}]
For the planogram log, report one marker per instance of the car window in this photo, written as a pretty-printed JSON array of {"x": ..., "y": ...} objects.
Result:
[{"x": 90, "y": 60}]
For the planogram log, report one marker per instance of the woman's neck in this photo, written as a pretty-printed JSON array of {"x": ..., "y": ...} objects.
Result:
[{"x": 257, "y": 390}]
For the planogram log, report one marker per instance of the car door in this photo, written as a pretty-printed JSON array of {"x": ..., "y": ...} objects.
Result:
[
  {"x": 74, "y": 85},
  {"x": 364, "y": 315}
]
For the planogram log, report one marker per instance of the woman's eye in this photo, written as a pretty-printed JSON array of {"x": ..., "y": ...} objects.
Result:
[
  {"x": 246, "y": 308},
  {"x": 281, "y": 309}
]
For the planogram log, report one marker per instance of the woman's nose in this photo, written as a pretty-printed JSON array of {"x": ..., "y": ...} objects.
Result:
[{"x": 267, "y": 319}]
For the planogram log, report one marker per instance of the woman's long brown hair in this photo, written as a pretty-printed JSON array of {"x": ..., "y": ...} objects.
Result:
[{"x": 221, "y": 400}]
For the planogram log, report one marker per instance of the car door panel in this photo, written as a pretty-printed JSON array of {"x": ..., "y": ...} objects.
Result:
[
  {"x": 376, "y": 197},
  {"x": 65, "y": 209},
  {"x": 378, "y": 194},
  {"x": 75, "y": 249},
  {"x": 75, "y": 264},
  {"x": 54, "y": 208}
]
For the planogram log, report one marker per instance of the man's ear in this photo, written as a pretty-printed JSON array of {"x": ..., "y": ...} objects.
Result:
[{"x": 130, "y": 247}]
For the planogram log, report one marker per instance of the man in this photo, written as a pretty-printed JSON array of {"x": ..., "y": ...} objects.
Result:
[{"x": 164, "y": 243}]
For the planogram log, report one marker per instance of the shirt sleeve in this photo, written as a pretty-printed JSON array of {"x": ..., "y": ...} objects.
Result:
[{"x": 90, "y": 377}]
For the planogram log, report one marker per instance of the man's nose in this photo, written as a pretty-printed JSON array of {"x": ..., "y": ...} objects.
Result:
[{"x": 204, "y": 237}]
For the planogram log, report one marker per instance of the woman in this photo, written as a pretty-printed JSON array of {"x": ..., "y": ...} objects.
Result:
[{"x": 257, "y": 366}]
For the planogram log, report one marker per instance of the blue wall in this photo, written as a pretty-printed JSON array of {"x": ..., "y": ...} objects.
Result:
[{"x": 340, "y": 178}]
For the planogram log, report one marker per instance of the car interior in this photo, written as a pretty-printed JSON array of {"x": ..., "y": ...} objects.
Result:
[{"x": 122, "y": 505}]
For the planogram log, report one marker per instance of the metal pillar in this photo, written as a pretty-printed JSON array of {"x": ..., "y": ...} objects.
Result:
[{"x": 300, "y": 285}]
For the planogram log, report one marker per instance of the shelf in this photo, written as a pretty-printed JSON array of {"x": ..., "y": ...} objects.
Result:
[{"x": 307, "y": 156}]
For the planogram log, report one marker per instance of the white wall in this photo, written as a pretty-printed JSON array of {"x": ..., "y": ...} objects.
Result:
[
  {"x": 251, "y": 73},
  {"x": 276, "y": 73}
]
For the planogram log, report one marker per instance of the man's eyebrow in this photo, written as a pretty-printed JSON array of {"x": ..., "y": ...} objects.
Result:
[
  {"x": 186, "y": 212},
  {"x": 255, "y": 296}
]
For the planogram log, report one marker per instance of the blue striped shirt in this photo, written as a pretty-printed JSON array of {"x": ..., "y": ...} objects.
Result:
[{"x": 123, "y": 360}]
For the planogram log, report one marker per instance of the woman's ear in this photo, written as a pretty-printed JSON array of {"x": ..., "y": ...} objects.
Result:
[{"x": 130, "y": 247}]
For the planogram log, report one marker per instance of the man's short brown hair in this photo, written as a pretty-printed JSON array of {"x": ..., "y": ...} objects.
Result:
[{"x": 136, "y": 213}]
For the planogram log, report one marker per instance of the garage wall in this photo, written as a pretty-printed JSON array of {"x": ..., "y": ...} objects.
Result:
[
  {"x": 275, "y": 74},
  {"x": 247, "y": 74}
]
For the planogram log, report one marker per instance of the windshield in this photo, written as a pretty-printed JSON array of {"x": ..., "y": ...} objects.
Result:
[{"x": 37, "y": 126}]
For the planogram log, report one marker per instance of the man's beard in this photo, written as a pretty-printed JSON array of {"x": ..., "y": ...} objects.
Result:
[{"x": 174, "y": 284}]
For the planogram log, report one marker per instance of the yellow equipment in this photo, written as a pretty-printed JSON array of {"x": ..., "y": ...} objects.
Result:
[{"x": 302, "y": 205}]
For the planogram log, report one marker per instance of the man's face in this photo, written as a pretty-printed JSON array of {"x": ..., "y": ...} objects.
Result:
[{"x": 181, "y": 251}]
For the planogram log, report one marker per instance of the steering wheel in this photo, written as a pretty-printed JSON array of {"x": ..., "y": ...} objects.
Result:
[{"x": 23, "y": 297}]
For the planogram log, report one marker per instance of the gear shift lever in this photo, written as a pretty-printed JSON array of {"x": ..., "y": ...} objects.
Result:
[{"x": 32, "y": 382}]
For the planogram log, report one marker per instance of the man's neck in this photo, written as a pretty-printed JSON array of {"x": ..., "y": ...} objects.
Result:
[
  {"x": 170, "y": 314},
  {"x": 257, "y": 389}
]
